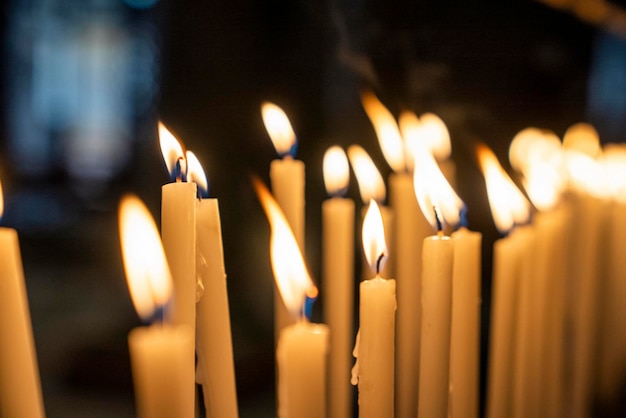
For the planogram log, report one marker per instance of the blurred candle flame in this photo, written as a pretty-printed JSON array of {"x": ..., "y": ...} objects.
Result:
[
  {"x": 336, "y": 171},
  {"x": 386, "y": 129},
  {"x": 290, "y": 273},
  {"x": 371, "y": 184},
  {"x": 437, "y": 199},
  {"x": 147, "y": 272},
  {"x": 196, "y": 174},
  {"x": 279, "y": 129},
  {"x": 171, "y": 149},
  {"x": 373, "y": 237},
  {"x": 614, "y": 163},
  {"x": 508, "y": 205},
  {"x": 582, "y": 137},
  {"x": 437, "y": 136}
]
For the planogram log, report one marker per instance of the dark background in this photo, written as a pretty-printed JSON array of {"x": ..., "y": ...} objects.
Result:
[{"x": 487, "y": 68}]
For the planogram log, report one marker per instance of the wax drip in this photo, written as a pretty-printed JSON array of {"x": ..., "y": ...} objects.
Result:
[
  {"x": 354, "y": 375},
  {"x": 201, "y": 270}
]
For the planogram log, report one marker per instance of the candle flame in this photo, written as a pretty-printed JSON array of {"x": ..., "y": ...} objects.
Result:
[
  {"x": 290, "y": 273},
  {"x": 171, "y": 149},
  {"x": 371, "y": 184},
  {"x": 437, "y": 199},
  {"x": 278, "y": 128},
  {"x": 386, "y": 129},
  {"x": 614, "y": 162},
  {"x": 373, "y": 233},
  {"x": 586, "y": 173},
  {"x": 147, "y": 272},
  {"x": 583, "y": 138},
  {"x": 196, "y": 173},
  {"x": 437, "y": 136},
  {"x": 336, "y": 171},
  {"x": 412, "y": 132},
  {"x": 508, "y": 205}
]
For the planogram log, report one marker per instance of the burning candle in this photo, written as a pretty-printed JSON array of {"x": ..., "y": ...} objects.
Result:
[
  {"x": 511, "y": 269},
  {"x": 302, "y": 346},
  {"x": 374, "y": 350},
  {"x": 410, "y": 231},
  {"x": 372, "y": 186},
  {"x": 214, "y": 345},
  {"x": 439, "y": 203},
  {"x": 337, "y": 282},
  {"x": 20, "y": 389},
  {"x": 159, "y": 352},
  {"x": 287, "y": 180},
  {"x": 178, "y": 229}
]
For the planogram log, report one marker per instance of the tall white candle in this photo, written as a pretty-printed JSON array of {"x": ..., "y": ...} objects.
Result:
[
  {"x": 20, "y": 389},
  {"x": 338, "y": 280},
  {"x": 374, "y": 368},
  {"x": 287, "y": 181},
  {"x": 302, "y": 347},
  {"x": 214, "y": 341},
  {"x": 158, "y": 353},
  {"x": 178, "y": 231}
]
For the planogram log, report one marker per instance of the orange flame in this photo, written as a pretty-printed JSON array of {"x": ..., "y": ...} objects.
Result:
[
  {"x": 171, "y": 149},
  {"x": 373, "y": 236},
  {"x": 278, "y": 128},
  {"x": 336, "y": 170},
  {"x": 371, "y": 184},
  {"x": 195, "y": 172}
]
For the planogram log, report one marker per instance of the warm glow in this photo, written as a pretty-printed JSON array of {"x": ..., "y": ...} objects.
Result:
[
  {"x": 586, "y": 173},
  {"x": 147, "y": 272},
  {"x": 279, "y": 128},
  {"x": 411, "y": 130},
  {"x": 171, "y": 149},
  {"x": 437, "y": 136},
  {"x": 1, "y": 201},
  {"x": 614, "y": 162},
  {"x": 196, "y": 173},
  {"x": 582, "y": 137},
  {"x": 531, "y": 145},
  {"x": 336, "y": 171},
  {"x": 543, "y": 184},
  {"x": 387, "y": 131},
  {"x": 508, "y": 205},
  {"x": 374, "y": 244},
  {"x": 432, "y": 190},
  {"x": 371, "y": 184},
  {"x": 290, "y": 272}
]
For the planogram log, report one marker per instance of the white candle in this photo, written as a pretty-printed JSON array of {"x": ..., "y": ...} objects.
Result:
[
  {"x": 338, "y": 280},
  {"x": 465, "y": 333},
  {"x": 213, "y": 332},
  {"x": 302, "y": 347},
  {"x": 159, "y": 353},
  {"x": 20, "y": 389},
  {"x": 178, "y": 231},
  {"x": 287, "y": 182},
  {"x": 374, "y": 368}
]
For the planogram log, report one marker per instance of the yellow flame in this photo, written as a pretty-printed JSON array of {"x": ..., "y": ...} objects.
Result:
[
  {"x": 171, "y": 149},
  {"x": 543, "y": 184},
  {"x": 195, "y": 172},
  {"x": 278, "y": 128},
  {"x": 371, "y": 184},
  {"x": 386, "y": 129},
  {"x": 336, "y": 170},
  {"x": 290, "y": 273},
  {"x": 432, "y": 190},
  {"x": 614, "y": 162},
  {"x": 412, "y": 132},
  {"x": 582, "y": 137},
  {"x": 437, "y": 136},
  {"x": 586, "y": 173},
  {"x": 373, "y": 236},
  {"x": 508, "y": 204},
  {"x": 147, "y": 272}
]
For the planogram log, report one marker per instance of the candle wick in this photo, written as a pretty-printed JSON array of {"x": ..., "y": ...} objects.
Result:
[
  {"x": 438, "y": 219},
  {"x": 378, "y": 262}
]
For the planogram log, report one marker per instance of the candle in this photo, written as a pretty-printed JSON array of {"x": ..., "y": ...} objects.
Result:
[
  {"x": 374, "y": 350},
  {"x": 178, "y": 229},
  {"x": 214, "y": 341},
  {"x": 372, "y": 186},
  {"x": 337, "y": 280},
  {"x": 302, "y": 346},
  {"x": 20, "y": 389},
  {"x": 287, "y": 180},
  {"x": 439, "y": 203},
  {"x": 508, "y": 208},
  {"x": 410, "y": 231},
  {"x": 159, "y": 352}
]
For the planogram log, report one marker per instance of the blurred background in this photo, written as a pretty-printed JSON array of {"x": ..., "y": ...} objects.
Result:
[{"x": 84, "y": 83}]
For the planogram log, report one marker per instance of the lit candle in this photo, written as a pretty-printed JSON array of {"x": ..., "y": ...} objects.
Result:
[
  {"x": 410, "y": 230},
  {"x": 302, "y": 346},
  {"x": 213, "y": 333},
  {"x": 372, "y": 186},
  {"x": 287, "y": 181},
  {"x": 509, "y": 207},
  {"x": 338, "y": 280},
  {"x": 159, "y": 352},
  {"x": 439, "y": 203},
  {"x": 374, "y": 350},
  {"x": 20, "y": 389},
  {"x": 178, "y": 231}
]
